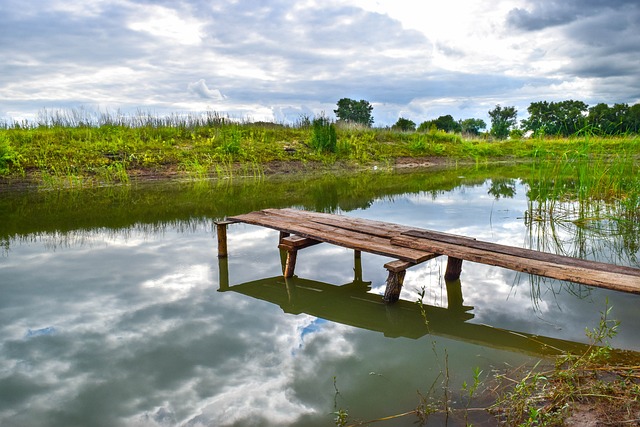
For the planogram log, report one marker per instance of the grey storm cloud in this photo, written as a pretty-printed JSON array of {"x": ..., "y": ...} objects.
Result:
[
  {"x": 549, "y": 13},
  {"x": 599, "y": 38}
]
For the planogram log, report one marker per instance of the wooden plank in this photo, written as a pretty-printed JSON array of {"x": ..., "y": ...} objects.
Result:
[
  {"x": 297, "y": 242},
  {"x": 366, "y": 226},
  {"x": 522, "y": 252},
  {"x": 334, "y": 235},
  {"x": 398, "y": 265},
  {"x": 586, "y": 276}
]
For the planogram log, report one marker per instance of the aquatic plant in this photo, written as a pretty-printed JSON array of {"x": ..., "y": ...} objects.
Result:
[{"x": 583, "y": 200}]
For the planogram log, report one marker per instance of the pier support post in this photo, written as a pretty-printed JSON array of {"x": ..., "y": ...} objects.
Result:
[
  {"x": 397, "y": 271},
  {"x": 221, "y": 229},
  {"x": 454, "y": 268},
  {"x": 394, "y": 286}
]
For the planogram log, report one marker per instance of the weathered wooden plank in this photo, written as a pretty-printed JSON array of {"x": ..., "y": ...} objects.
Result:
[
  {"x": 334, "y": 235},
  {"x": 572, "y": 273},
  {"x": 398, "y": 265},
  {"x": 522, "y": 252},
  {"x": 297, "y": 242},
  {"x": 365, "y": 226}
]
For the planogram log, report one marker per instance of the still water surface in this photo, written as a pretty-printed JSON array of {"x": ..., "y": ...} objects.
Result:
[{"x": 115, "y": 310}]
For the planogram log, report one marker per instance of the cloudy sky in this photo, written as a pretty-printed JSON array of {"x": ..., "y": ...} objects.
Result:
[{"x": 279, "y": 59}]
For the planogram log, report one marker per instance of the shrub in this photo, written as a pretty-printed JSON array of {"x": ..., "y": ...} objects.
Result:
[
  {"x": 8, "y": 156},
  {"x": 323, "y": 135}
]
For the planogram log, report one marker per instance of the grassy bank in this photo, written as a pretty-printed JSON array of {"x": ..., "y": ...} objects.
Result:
[{"x": 66, "y": 153}]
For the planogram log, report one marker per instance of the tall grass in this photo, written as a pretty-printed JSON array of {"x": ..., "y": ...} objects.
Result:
[{"x": 586, "y": 204}]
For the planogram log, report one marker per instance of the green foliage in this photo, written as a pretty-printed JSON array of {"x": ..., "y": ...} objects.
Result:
[
  {"x": 502, "y": 120},
  {"x": 230, "y": 140},
  {"x": 352, "y": 111},
  {"x": 443, "y": 123},
  {"x": 404, "y": 125},
  {"x": 563, "y": 118},
  {"x": 516, "y": 134},
  {"x": 472, "y": 126},
  {"x": 323, "y": 135},
  {"x": 8, "y": 156},
  {"x": 615, "y": 120},
  {"x": 119, "y": 150},
  {"x": 447, "y": 124}
]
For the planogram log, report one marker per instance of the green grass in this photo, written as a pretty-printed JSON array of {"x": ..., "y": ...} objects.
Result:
[{"x": 75, "y": 150}]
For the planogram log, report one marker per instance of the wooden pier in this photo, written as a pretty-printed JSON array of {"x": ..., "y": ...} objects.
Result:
[{"x": 410, "y": 246}]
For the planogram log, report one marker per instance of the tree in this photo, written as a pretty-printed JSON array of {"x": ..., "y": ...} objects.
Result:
[
  {"x": 540, "y": 118},
  {"x": 447, "y": 123},
  {"x": 502, "y": 120},
  {"x": 571, "y": 116},
  {"x": 556, "y": 118},
  {"x": 353, "y": 111},
  {"x": 633, "y": 119},
  {"x": 404, "y": 125},
  {"x": 427, "y": 126},
  {"x": 472, "y": 126}
]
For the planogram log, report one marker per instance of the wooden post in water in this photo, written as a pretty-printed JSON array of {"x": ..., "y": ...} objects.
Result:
[
  {"x": 454, "y": 268},
  {"x": 397, "y": 271},
  {"x": 291, "y": 244},
  {"x": 394, "y": 286},
  {"x": 221, "y": 229}
]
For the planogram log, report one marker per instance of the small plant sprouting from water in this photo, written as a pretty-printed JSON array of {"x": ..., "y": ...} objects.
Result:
[
  {"x": 341, "y": 414},
  {"x": 471, "y": 389}
]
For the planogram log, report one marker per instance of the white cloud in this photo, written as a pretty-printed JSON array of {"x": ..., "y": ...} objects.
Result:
[
  {"x": 459, "y": 58},
  {"x": 166, "y": 23},
  {"x": 200, "y": 88}
]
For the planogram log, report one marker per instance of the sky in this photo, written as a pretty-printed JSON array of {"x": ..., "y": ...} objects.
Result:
[{"x": 280, "y": 60}]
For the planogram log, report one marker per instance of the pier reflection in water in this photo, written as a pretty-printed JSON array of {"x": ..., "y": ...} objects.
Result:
[{"x": 352, "y": 304}]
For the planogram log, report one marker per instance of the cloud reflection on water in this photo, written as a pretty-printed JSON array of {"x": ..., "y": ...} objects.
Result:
[{"x": 140, "y": 335}]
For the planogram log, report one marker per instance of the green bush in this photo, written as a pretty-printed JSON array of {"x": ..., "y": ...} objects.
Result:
[
  {"x": 8, "y": 156},
  {"x": 323, "y": 135}
]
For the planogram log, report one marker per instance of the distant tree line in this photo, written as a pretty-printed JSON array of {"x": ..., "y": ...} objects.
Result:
[
  {"x": 564, "y": 118},
  {"x": 567, "y": 118}
]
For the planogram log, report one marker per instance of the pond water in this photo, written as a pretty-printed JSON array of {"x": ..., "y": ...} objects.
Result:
[{"x": 115, "y": 310}]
